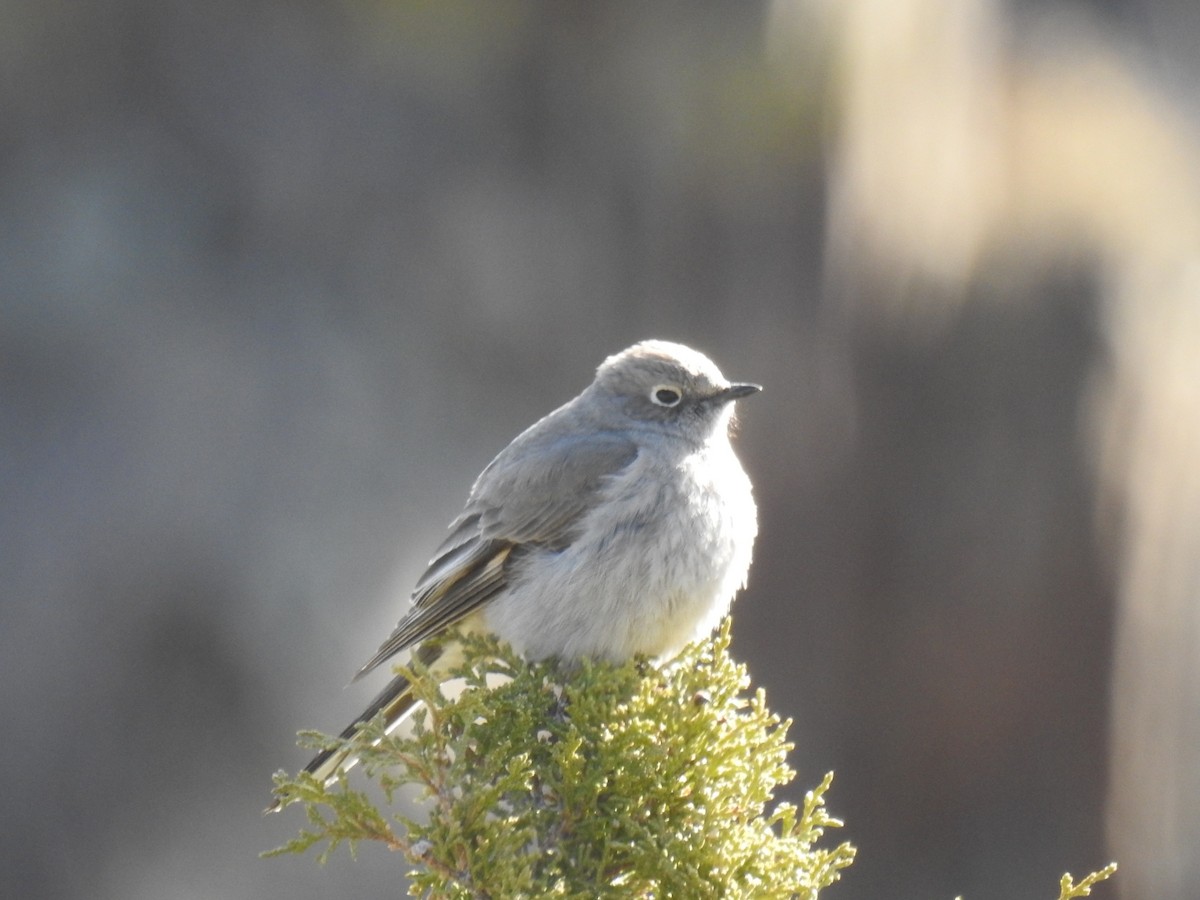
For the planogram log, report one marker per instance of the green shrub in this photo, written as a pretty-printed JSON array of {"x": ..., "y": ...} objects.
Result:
[{"x": 598, "y": 780}]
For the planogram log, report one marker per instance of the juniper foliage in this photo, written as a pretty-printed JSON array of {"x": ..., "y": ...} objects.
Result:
[{"x": 597, "y": 780}]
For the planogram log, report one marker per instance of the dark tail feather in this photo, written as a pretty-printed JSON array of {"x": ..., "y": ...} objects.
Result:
[{"x": 395, "y": 702}]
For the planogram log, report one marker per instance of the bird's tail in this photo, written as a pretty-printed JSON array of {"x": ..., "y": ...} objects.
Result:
[{"x": 395, "y": 702}]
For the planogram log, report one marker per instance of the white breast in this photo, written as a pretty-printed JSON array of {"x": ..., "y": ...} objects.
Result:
[{"x": 656, "y": 564}]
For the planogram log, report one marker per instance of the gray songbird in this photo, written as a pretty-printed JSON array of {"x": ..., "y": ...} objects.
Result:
[{"x": 621, "y": 523}]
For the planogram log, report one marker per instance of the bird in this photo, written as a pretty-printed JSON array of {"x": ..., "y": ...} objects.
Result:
[{"x": 620, "y": 524}]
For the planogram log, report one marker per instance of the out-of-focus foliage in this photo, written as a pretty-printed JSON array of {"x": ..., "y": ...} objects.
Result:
[{"x": 1069, "y": 888}]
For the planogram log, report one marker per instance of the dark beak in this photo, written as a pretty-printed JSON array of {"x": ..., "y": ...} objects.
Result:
[{"x": 737, "y": 392}]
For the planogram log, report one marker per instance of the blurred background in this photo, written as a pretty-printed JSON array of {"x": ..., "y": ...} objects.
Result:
[{"x": 277, "y": 280}]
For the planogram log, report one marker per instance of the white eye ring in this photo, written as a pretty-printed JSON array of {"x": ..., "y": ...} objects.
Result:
[{"x": 667, "y": 395}]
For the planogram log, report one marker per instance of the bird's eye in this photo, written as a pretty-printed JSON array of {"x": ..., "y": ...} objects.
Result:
[{"x": 666, "y": 395}]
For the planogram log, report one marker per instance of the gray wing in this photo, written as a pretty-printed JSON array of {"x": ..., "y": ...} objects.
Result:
[{"x": 532, "y": 494}]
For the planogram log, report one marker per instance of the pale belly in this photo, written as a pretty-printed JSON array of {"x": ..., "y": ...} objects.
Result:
[{"x": 654, "y": 566}]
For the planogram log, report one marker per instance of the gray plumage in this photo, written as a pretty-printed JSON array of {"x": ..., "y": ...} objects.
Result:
[{"x": 621, "y": 523}]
